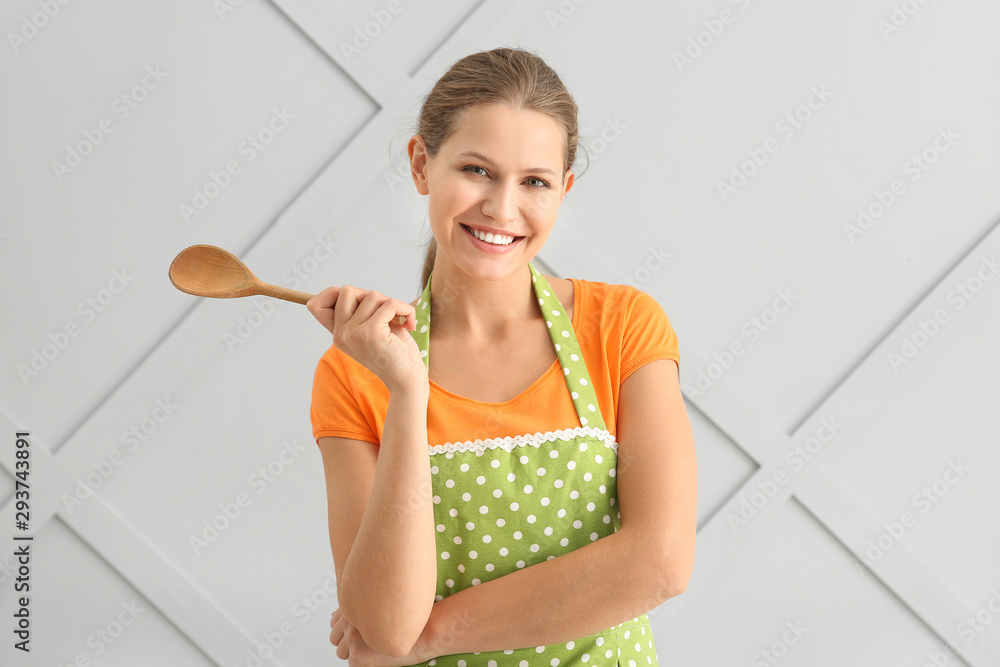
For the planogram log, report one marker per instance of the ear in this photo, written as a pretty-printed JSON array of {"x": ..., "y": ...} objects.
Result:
[
  {"x": 569, "y": 182},
  {"x": 417, "y": 151}
]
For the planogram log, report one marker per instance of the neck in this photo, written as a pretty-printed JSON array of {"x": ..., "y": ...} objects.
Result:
[{"x": 476, "y": 309}]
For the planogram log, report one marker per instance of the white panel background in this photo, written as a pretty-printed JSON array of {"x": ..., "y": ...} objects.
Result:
[{"x": 331, "y": 179}]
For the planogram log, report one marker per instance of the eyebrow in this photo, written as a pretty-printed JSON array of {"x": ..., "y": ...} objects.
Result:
[{"x": 480, "y": 156}]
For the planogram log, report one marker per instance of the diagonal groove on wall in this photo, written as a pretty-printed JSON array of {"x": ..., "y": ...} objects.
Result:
[
  {"x": 726, "y": 405},
  {"x": 205, "y": 624},
  {"x": 376, "y": 74},
  {"x": 908, "y": 314},
  {"x": 856, "y": 399},
  {"x": 183, "y": 349}
]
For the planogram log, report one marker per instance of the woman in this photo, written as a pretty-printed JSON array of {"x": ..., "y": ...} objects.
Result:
[{"x": 546, "y": 402}]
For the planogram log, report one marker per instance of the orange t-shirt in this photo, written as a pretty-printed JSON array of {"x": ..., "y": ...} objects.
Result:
[{"x": 619, "y": 328}]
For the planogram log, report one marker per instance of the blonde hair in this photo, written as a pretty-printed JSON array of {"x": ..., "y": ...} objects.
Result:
[{"x": 506, "y": 76}]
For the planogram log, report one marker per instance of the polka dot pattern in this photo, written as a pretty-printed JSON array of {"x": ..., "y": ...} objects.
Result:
[
  {"x": 504, "y": 504},
  {"x": 490, "y": 532},
  {"x": 628, "y": 644}
]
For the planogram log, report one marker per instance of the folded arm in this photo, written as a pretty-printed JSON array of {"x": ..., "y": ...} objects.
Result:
[{"x": 613, "y": 579}]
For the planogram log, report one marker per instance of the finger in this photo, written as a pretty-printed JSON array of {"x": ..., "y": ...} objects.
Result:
[
  {"x": 321, "y": 306},
  {"x": 347, "y": 302},
  {"x": 392, "y": 310},
  {"x": 336, "y": 633},
  {"x": 371, "y": 302},
  {"x": 406, "y": 315},
  {"x": 324, "y": 299}
]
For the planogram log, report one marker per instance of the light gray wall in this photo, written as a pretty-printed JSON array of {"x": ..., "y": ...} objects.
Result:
[{"x": 875, "y": 344}]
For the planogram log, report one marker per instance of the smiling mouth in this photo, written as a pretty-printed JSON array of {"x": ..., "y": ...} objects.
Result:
[{"x": 469, "y": 229}]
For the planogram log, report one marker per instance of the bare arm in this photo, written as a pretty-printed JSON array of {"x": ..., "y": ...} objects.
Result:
[
  {"x": 590, "y": 589},
  {"x": 627, "y": 573},
  {"x": 389, "y": 579}
]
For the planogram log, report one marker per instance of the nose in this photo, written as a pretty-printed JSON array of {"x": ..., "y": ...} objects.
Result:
[{"x": 501, "y": 204}]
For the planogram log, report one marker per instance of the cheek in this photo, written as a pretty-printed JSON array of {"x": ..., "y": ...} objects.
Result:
[
  {"x": 451, "y": 195},
  {"x": 440, "y": 204},
  {"x": 543, "y": 207}
]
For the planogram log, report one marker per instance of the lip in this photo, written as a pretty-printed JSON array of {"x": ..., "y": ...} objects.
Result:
[{"x": 489, "y": 247}]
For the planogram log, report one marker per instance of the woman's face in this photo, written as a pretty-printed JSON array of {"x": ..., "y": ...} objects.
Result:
[{"x": 501, "y": 169}]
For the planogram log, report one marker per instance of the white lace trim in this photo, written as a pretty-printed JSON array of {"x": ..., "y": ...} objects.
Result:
[{"x": 534, "y": 439}]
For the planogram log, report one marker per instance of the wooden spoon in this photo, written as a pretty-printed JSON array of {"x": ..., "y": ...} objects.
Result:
[{"x": 207, "y": 270}]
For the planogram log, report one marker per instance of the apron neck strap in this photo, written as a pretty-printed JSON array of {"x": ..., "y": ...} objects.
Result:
[{"x": 563, "y": 337}]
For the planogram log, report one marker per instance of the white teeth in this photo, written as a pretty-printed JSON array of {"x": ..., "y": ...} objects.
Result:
[{"x": 497, "y": 239}]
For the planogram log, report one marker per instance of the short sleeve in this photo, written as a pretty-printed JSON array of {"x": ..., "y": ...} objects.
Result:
[
  {"x": 648, "y": 334},
  {"x": 335, "y": 409}
]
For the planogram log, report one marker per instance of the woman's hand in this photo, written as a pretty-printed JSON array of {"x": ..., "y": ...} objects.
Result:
[
  {"x": 362, "y": 325},
  {"x": 351, "y": 647}
]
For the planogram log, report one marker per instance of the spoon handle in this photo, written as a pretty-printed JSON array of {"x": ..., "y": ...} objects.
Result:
[
  {"x": 292, "y": 295},
  {"x": 266, "y": 289}
]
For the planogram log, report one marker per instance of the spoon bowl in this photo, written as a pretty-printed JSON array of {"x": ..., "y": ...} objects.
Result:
[{"x": 207, "y": 270}]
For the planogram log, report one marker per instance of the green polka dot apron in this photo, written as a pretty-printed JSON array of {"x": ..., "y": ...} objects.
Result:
[{"x": 507, "y": 503}]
